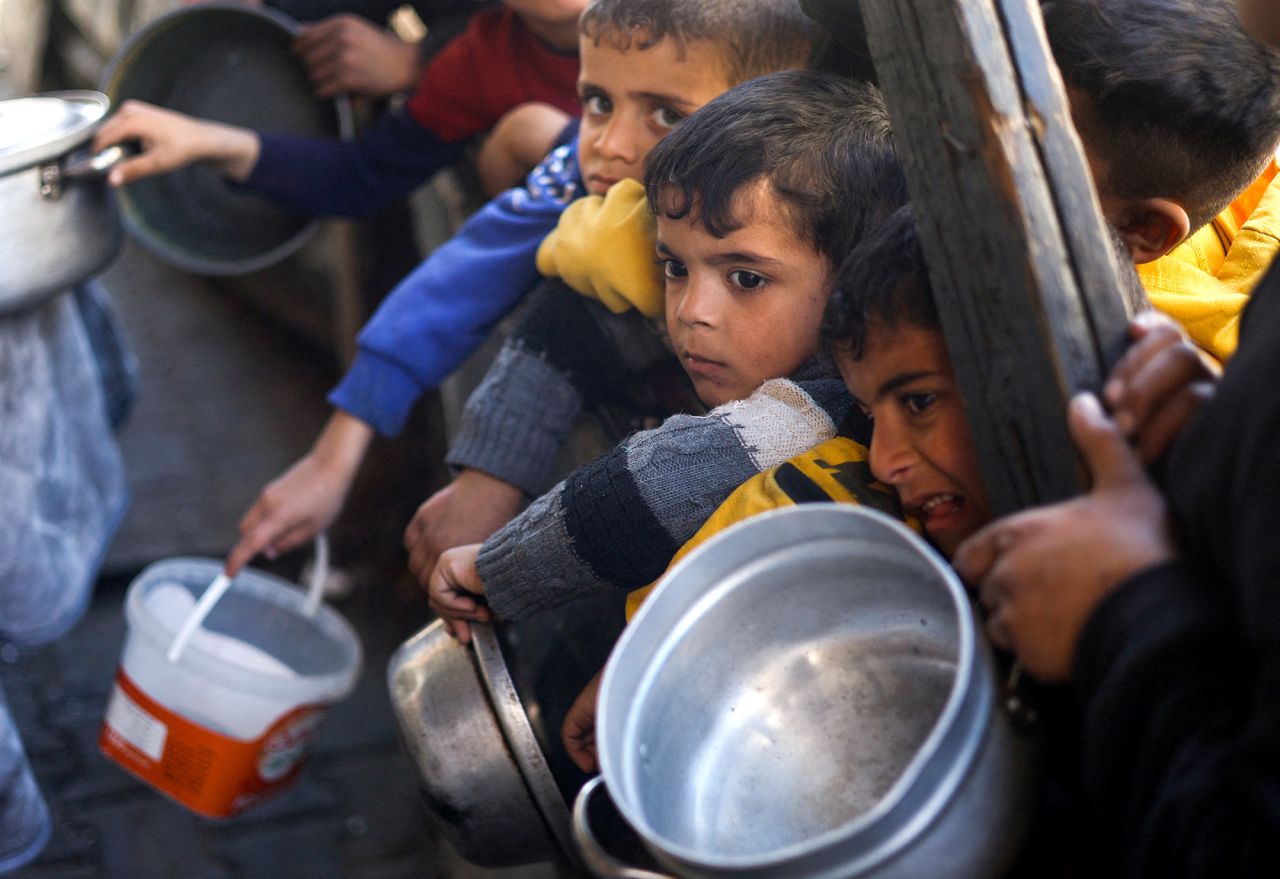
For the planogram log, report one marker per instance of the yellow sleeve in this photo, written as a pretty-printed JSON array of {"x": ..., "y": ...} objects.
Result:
[
  {"x": 603, "y": 247},
  {"x": 1208, "y": 296},
  {"x": 757, "y": 495}
]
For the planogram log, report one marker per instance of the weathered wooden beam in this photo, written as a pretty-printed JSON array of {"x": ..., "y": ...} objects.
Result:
[{"x": 1020, "y": 259}]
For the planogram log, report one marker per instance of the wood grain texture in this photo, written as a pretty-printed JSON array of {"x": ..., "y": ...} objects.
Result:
[{"x": 1020, "y": 259}]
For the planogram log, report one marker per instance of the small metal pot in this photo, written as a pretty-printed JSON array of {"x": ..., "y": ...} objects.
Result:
[
  {"x": 58, "y": 219},
  {"x": 483, "y": 775},
  {"x": 808, "y": 696}
]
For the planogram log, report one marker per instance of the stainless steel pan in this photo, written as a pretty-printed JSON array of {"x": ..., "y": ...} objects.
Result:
[
  {"x": 58, "y": 220},
  {"x": 482, "y": 772},
  {"x": 808, "y": 696}
]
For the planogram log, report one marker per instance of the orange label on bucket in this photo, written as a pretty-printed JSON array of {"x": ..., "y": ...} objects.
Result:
[{"x": 208, "y": 772}]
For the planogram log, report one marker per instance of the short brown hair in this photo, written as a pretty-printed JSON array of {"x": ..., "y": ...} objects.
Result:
[{"x": 758, "y": 36}]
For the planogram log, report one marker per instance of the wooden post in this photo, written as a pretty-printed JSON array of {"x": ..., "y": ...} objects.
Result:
[{"x": 1020, "y": 259}]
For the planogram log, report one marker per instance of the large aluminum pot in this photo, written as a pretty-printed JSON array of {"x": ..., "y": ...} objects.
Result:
[
  {"x": 58, "y": 219},
  {"x": 808, "y": 696},
  {"x": 483, "y": 775}
]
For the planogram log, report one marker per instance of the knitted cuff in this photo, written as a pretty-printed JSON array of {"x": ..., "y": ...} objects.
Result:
[{"x": 528, "y": 566}]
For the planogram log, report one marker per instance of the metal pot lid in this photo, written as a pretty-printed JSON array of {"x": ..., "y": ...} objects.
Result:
[{"x": 42, "y": 127}]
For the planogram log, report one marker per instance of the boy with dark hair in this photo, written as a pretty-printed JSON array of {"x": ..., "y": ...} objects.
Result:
[
  {"x": 635, "y": 90},
  {"x": 1179, "y": 112},
  {"x": 757, "y": 197}
]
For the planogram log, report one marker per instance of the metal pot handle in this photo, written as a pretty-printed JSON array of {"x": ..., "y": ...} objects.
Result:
[
  {"x": 596, "y": 859},
  {"x": 54, "y": 175}
]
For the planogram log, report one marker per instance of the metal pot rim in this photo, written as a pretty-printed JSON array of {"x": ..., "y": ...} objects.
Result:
[
  {"x": 84, "y": 109},
  {"x": 520, "y": 737},
  {"x": 929, "y": 779}
]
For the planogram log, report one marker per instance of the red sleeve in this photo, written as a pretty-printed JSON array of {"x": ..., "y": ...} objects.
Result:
[{"x": 496, "y": 64}]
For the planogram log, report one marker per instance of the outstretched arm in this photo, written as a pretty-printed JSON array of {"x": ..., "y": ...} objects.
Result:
[
  {"x": 170, "y": 141},
  {"x": 306, "y": 498}
]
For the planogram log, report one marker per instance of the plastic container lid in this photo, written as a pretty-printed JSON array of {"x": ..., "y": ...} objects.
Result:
[{"x": 42, "y": 127}]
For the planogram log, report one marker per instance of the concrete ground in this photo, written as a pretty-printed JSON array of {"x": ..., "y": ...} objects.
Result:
[{"x": 226, "y": 400}]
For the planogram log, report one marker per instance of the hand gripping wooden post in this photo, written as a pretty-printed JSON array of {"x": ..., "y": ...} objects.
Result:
[{"x": 1021, "y": 262}]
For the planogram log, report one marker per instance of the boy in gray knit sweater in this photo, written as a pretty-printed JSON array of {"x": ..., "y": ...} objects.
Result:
[{"x": 757, "y": 196}]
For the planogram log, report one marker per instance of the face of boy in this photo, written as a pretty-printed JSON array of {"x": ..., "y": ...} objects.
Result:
[
  {"x": 632, "y": 99},
  {"x": 920, "y": 440},
  {"x": 744, "y": 308}
]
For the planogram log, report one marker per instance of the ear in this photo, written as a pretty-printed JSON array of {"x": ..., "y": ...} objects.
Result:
[{"x": 1149, "y": 227}]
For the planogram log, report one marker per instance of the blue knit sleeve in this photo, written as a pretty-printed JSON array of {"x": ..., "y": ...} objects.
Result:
[
  {"x": 442, "y": 311},
  {"x": 350, "y": 178}
]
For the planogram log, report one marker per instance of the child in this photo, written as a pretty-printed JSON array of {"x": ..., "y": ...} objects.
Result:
[
  {"x": 1179, "y": 112},
  {"x": 645, "y": 66},
  {"x": 756, "y": 197},
  {"x": 512, "y": 54}
]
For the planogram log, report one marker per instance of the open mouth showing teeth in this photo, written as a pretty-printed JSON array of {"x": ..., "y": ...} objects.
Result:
[{"x": 942, "y": 503}]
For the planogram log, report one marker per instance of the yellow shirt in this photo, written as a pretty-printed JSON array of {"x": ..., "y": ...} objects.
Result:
[{"x": 1204, "y": 283}]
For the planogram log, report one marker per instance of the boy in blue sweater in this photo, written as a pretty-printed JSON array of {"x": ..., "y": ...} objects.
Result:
[{"x": 646, "y": 64}]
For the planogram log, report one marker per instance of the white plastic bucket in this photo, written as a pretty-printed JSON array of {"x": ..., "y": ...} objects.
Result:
[{"x": 231, "y": 721}]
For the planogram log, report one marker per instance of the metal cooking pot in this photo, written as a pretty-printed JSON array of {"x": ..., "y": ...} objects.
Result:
[
  {"x": 58, "y": 218},
  {"x": 807, "y": 696},
  {"x": 482, "y": 772}
]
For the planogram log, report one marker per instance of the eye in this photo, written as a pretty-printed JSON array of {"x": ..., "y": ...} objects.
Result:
[
  {"x": 918, "y": 403},
  {"x": 747, "y": 280},
  {"x": 597, "y": 105},
  {"x": 673, "y": 269},
  {"x": 665, "y": 117}
]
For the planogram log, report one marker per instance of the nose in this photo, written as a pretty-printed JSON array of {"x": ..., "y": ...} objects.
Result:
[
  {"x": 698, "y": 303},
  {"x": 892, "y": 453},
  {"x": 618, "y": 140}
]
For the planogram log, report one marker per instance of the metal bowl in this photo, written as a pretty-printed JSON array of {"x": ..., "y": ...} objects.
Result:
[
  {"x": 480, "y": 768},
  {"x": 808, "y": 695},
  {"x": 232, "y": 64}
]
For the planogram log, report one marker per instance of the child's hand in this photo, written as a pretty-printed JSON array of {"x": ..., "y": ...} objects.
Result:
[
  {"x": 1041, "y": 573},
  {"x": 306, "y": 498},
  {"x": 579, "y": 729},
  {"x": 170, "y": 141},
  {"x": 1158, "y": 384},
  {"x": 455, "y": 591},
  {"x": 467, "y": 510},
  {"x": 346, "y": 53}
]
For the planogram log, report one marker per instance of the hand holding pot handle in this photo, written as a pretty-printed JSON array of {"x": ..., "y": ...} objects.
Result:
[{"x": 170, "y": 141}]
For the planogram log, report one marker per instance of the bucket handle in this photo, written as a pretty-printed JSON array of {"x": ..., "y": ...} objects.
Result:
[
  {"x": 218, "y": 587},
  {"x": 319, "y": 573},
  {"x": 597, "y": 860}
]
